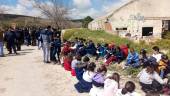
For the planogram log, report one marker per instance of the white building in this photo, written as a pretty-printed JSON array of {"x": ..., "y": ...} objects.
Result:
[{"x": 137, "y": 19}]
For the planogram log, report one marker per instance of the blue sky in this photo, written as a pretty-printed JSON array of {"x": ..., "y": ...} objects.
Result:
[{"x": 78, "y": 8}]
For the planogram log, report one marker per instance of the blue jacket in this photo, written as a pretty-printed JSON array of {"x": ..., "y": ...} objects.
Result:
[
  {"x": 133, "y": 57},
  {"x": 46, "y": 36},
  {"x": 56, "y": 43}
]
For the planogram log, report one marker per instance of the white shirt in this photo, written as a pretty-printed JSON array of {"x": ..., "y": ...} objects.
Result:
[
  {"x": 119, "y": 93},
  {"x": 74, "y": 63},
  {"x": 147, "y": 78},
  {"x": 87, "y": 76},
  {"x": 110, "y": 87},
  {"x": 157, "y": 56}
]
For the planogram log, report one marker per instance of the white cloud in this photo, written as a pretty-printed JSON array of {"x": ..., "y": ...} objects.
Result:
[
  {"x": 82, "y": 4},
  {"x": 23, "y": 7},
  {"x": 85, "y": 8},
  {"x": 78, "y": 14}
]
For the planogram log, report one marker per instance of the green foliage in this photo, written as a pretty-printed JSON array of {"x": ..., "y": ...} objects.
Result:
[
  {"x": 86, "y": 21},
  {"x": 132, "y": 71},
  {"x": 166, "y": 35}
]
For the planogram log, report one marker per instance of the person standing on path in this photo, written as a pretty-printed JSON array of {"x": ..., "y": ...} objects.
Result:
[
  {"x": 46, "y": 38},
  {"x": 10, "y": 38},
  {"x": 19, "y": 35},
  {"x": 1, "y": 44}
]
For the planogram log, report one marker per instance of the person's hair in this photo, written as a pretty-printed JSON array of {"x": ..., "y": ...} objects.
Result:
[
  {"x": 76, "y": 38},
  {"x": 91, "y": 67},
  {"x": 129, "y": 87},
  {"x": 106, "y": 45},
  {"x": 102, "y": 68},
  {"x": 116, "y": 77},
  {"x": 98, "y": 44},
  {"x": 48, "y": 27},
  {"x": 86, "y": 59},
  {"x": 156, "y": 48},
  {"x": 128, "y": 45},
  {"x": 143, "y": 51},
  {"x": 118, "y": 49},
  {"x": 164, "y": 57},
  {"x": 151, "y": 66},
  {"x": 132, "y": 50},
  {"x": 78, "y": 57}
]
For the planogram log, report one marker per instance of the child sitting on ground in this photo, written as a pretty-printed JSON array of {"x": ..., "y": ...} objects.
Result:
[
  {"x": 117, "y": 56},
  {"x": 99, "y": 78},
  {"x": 156, "y": 54},
  {"x": 111, "y": 85},
  {"x": 162, "y": 65},
  {"x": 128, "y": 90},
  {"x": 125, "y": 50},
  {"x": 82, "y": 67},
  {"x": 74, "y": 64},
  {"x": 100, "y": 51},
  {"x": 133, "y": 59},
  {"x": 150, "y": 80},
  {"x": 143, "y": 58},
  {"x": 98, "y": 81},
  {"x": 85, "y": 84}
]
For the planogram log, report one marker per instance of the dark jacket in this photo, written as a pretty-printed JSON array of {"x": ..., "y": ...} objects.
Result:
[{"x": 10, "y": 36}]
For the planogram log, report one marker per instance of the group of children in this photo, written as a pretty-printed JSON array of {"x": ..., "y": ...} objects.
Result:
[{"x": 93, "y": 79}]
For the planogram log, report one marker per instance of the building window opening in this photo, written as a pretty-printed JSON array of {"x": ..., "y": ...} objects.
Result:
[
  {"x": 147, "y": 31},
  {"x": 121, "y": 28}
]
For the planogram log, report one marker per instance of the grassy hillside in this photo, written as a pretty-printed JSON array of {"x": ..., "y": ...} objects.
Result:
[{"x": 103, "y": 37}]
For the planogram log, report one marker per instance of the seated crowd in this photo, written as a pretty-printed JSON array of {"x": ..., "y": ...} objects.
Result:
[{"x": 94, "y": 79}]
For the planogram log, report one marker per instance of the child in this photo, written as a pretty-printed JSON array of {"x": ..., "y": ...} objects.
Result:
[
  {"x": 74, "y": 64},
  {"x": 117, "y": 56},
  {"x": 125, "y": 50},
  {"x": 150, "y": 80},
  {"x": 56, "y": 49},
  {"x": 133, "y": 59},
  {"x": 85, "y": 84},
  {"x": 157, "y": 54},
  {"x": 166, "y": 88},
  {"x": 128, "y": 90},
  {"x": 100, "y": 51},
  {"x": 99, "y": 78},
  {"x": 111, "y": 85},
  {"x": 162, "y": 65},
  {"x": 67, "y": 62},
  {"x": 143, "y": 58},
  {"x": 91, "y": 49},
  {"x": 81, "y": 67},
  {"x": 67, "y": 48}
]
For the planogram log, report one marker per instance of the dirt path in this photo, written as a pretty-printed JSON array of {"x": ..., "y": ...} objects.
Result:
[{"x": 26, "y": 75}]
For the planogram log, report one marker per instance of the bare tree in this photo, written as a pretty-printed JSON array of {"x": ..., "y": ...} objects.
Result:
[{"x": 54, "y": 10}]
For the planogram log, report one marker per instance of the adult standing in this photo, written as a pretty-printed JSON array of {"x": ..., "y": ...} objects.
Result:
[
  {"x": 1, "y": 44},
  {"x": 18, "y": 33},
  {"x": 10, "y": 38},
  {"x": 46, "y": 38}
]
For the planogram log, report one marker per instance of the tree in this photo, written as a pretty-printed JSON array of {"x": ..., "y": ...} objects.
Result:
[
  {"x": 54, "y": 10},
  {"x": 86, "y": 21}
]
